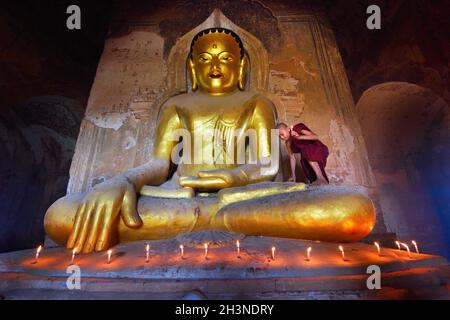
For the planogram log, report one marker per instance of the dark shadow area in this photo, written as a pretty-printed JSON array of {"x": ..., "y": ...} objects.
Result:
[{"x": 45, "y": 79}]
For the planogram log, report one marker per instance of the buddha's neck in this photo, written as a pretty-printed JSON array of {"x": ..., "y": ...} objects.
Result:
[{"x": 207, "y": 94}]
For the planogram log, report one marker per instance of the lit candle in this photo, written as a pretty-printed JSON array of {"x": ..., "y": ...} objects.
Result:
[
  {"x": 407, "y": 248},
  {"x": 147, "y": 252},
  {"x": 238, "y": 248},
  {"x": 206, "y": 250},
  {"x": 182, "y": 251},
  {"x": 273, "y": 253},
  {"x": 308, "y": 253},
  {"x": 109, "y": 256},
  {"x": 377, "y": 245},
  {"x": 342, "y": 252},
  {"x": 398, "y": 245},
  {"x": 415, "y": 246},
  {"x": 38, "y": 251},
  {"x": 73, "y": 257}
]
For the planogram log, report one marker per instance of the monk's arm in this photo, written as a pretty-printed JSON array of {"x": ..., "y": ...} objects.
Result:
[{"x": 306, "y": 135}]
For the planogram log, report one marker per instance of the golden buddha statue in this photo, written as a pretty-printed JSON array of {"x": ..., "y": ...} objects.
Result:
[{"x": 211, "y": 189}]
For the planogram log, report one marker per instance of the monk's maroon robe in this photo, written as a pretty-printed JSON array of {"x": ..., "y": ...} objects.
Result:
[{"x": 310, "y": 150}]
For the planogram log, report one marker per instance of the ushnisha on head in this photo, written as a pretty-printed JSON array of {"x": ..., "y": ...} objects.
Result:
[
  {"x": 283, "y": 131},
  {"x": 217, "y": 61}
]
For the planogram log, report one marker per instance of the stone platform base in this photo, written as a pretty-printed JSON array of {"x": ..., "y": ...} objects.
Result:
[{"x": 224, "y": 275}]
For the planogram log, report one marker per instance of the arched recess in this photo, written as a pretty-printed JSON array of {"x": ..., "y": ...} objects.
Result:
[
  {"x": 177, "y": 79},
  {"x": 257, "y": 80},
  {"x": 404, "y": 125}
]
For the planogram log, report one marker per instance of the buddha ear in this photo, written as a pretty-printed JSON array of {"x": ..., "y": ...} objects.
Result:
[
  {"x": 193, "y": 75},
  {"x": 242, "y": 73}
]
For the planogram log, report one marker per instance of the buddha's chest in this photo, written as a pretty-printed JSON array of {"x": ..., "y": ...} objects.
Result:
[{"x": 216, "y": 117}]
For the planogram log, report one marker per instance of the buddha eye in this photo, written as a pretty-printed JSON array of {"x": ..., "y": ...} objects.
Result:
[
  {"x": 226, "y": 59},
  {"x": 203, "y": 59}
]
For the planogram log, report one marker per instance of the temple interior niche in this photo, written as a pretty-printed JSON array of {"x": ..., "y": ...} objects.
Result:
[
  {"x": 407, "y": 129},
  {"x": 409, "y": 48}
]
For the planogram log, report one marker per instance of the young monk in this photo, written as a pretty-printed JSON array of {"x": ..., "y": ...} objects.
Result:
[{"x": 300, "y": 139}]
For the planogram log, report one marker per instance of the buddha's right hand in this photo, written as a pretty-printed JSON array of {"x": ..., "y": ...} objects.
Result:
[{"x": 97, "y": 215}]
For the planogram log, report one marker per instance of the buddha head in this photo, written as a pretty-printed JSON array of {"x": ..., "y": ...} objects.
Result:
[{"x": 217, "y": 61}]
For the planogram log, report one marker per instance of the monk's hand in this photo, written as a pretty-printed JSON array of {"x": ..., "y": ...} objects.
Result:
[
  {"x": 212, "y": 180},
  {"x": 97, "y": 215}
]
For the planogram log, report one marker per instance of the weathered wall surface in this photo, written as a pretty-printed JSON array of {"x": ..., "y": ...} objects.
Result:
[{"x": 293, "y": 59}]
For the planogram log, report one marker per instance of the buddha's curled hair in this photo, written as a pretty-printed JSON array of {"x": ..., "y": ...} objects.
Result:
[{"x": 219, "y": 30}]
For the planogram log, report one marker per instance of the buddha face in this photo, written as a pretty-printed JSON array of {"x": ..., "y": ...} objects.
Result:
[{"x": 216, "y": 63}]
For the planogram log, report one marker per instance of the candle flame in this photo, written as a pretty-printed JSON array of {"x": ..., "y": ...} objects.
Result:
[
  {"x": 308, "y": 253},
  {"x": 206, "y": 249},
  {"x": 342, "y": 252},
  {"x": 377, "y": 245},
  {"x": 273, "y": 253},
  {"x": 147, "y": 250},
  {"x": 109, "y": 255},
  {"x": 238, "y": 248},
  {"x": 73, "y": 256},
  {"x": 407, "y": 248},
  {"x": 182, "y": 250},
  {"x": 415, "y": 246},
  {"x": 36, "y": 257}
]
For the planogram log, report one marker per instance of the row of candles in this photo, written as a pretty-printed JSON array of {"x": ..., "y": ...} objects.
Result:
[{"x": 399, "y": 244}]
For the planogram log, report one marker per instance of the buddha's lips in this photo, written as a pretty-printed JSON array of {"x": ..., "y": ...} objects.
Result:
[{"x": 215, "y": 75}]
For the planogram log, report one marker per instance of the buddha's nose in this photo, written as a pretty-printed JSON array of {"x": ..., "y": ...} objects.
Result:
[
  {"x": 215, "y": 71},
  {"x": 215, "y": 64}
]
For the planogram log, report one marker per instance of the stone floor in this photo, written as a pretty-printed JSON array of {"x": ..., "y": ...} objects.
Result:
[{"x": 224, "y": 275}]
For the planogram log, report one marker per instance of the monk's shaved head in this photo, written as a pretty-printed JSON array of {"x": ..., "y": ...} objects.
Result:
[{"x": 283, "y": 131}]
